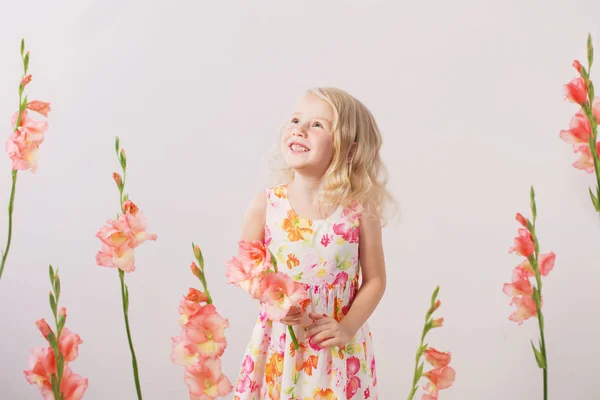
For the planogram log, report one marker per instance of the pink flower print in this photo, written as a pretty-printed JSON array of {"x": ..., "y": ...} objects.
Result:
[
  {"x": 325, "y": 240},
  {"x": 367, "y": 393},
  {"x": 348, "y": 229},
  {"x": 268, "y": 237}
]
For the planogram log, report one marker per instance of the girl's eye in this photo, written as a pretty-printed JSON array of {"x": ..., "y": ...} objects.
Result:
[
  {"x": 294, "y": 120},
  {"x": 318, "y": 125}
]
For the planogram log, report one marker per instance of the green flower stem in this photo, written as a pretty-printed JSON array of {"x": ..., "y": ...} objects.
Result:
[
  {"x": 10, "y": 221},
  {"x": 125, "y": 292}
]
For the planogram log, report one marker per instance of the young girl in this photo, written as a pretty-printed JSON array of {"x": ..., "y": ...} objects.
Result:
[{"x": 323, "y": 224}]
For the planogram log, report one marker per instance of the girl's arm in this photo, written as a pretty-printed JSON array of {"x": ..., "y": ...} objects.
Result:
[
  {"x": 373, "y": 273},
  {"x": 326, "y": 331},
  {"x": 253, "y": 226}
]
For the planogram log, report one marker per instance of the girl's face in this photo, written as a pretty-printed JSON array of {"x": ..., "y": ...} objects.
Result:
[{"x": 307, "y": 141}]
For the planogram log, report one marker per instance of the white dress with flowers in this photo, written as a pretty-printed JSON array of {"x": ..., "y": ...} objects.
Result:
[{"x": 323, "y": 255}]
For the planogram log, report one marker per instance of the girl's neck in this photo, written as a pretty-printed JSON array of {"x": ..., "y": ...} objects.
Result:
[{"x": 307, "y": 187}]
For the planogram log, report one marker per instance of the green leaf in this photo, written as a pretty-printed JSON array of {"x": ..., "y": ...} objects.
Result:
[
  {"x": 117, "y": 145},
  {"x": 434, "y": 295},
  {"x": 26, "y": 62},
  {"x": 419, "y": 373},
  {"x": 22, "y": 47},
  {"x": 52, "y": 340},
  {"x": 273, "y": 261},
  {"x": 52, "y": 303},
  {"x": 591, "y": 92},
  {"x": 51, "y": 272},
  {"x": 532, "y": 203},
  {"x": 57, "y": 288},
  {"x": 584, "y": 74},
  {"x": 539, "y": 357},
  {"x": 590, "y": 50},
  {"x": 595, "y": 201},
  {"x": 123, "y": 160}
]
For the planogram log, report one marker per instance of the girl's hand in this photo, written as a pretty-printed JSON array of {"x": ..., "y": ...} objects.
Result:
[
  {"x": 293, "y": 317},
  {"x": 327, "y": 332}
]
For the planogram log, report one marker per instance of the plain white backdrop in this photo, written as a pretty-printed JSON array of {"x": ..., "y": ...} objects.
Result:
[{"x": 468, "y": 95}]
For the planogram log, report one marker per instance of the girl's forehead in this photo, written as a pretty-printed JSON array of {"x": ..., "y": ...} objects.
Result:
[{"x": 313, "y": 107}]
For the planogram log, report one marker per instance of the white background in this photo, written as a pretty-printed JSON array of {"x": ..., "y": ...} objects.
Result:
[{"x": 468, "y": 95}]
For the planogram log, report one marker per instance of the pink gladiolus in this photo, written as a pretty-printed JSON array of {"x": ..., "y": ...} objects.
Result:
[
  {"x": 206, "y": 328},
  {"x": 586, "y": 160},
  {"x": 41, "y": 107},
  {"x": 520, "y": 283},
  {"x": 437, "y": 358},
  {"x": 279, "y": 293},
  {"x": 522, "y": 220},
  {"x": 23, "y": 144},
  {"x": 525, "y": 309},
  {"x": 25, "y": 81},
  {"x": 68, "y": 345},
  {"x": 206, "y": 381},
  {"x": 441, "y": 378},
  {"x": 43, "y": 327},
  {"x": 254, "y": 254},
  {"x": 41, "y": 367},
  {"x": 116, "y": 257},
  {"x": 437, "y": 323},
  {"x": 576, "y": 91},
  {"x": 73, "y": 386},
  {"x": 579, "y": 130},
  {"x": 120, "y": 237},
  {"x": 523, "y": 243}
]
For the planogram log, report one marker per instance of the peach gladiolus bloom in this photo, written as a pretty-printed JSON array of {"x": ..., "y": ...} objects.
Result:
[
  {"x": 254, "y": 254},
  {"x": 525, "y": 309},
  {"x": 68, "y": 345},
  {"x": 520, "y": 283},
  {"x": 437, "y": 358},
  {"x": 23, "y": 144},
  {"x": 576, "y": 91},
  {"x": 43, "y": 327},
  {"x": 206, "y": 381},
  {"x": 585, "y": 161},
  {"x": 206, "y": 328},
  {"x": 279, "y": 293},
  {"x": 119, "y": 237},
  {"x": 41, "y": 107},
  {"x": 441, "y": 378},
  {"x": 523, "y": 244}
]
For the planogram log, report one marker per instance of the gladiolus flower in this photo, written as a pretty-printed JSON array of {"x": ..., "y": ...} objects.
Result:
[
  {"x": 525, "y": 309},
  {"x": 441, "y": 378},
  {"x": 196, "y": 296},
  {"x": 576, "y": 91},
  {"x": 206, "y": 381},
  {"x": 522, "y": 220},
  {"x": 523, "y": 243},
  {"x": 41, "y": 107},
  {"x": 437, "y": 358},
  {"x": 44, "y": 327},
  {"x": 279, "y": 293}
]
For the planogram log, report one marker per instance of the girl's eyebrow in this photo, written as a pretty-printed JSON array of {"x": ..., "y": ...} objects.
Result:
[{"x": 319, "y": 118}]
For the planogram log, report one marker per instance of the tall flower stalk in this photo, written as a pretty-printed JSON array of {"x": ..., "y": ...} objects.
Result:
[
  {"x": 583, "y": 128},
  {"x": 202, "y": 341},
  {"x": 525, "y": 295},
  {"x": 119, "y": 238},
  {"x": 442, "y": 375},
  {"x": 49, "y": 367},
  {"x": 23, "y": 144}
]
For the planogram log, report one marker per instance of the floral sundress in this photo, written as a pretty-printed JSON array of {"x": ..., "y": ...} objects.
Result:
[{"x": 323, "y": 255}]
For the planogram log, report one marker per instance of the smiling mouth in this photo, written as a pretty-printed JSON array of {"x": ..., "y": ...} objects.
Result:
[{"x": 298, "y": 148}]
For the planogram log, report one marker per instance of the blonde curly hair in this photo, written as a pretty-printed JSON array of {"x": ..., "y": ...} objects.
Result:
[{"x": 356, "y": 171}]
